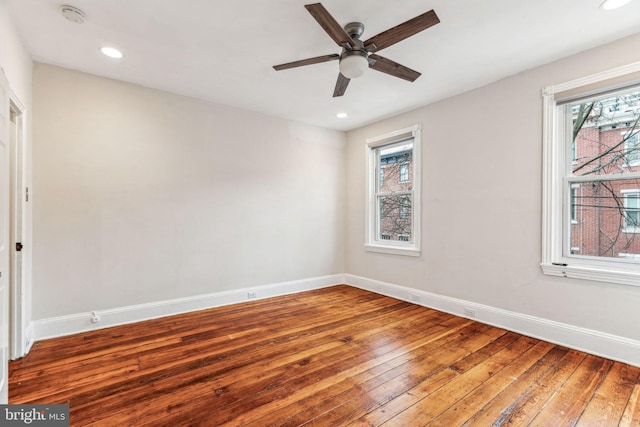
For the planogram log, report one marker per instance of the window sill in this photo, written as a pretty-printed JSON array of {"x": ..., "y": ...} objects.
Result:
[
  {"x": 393, "y": 250},
  {"x": 631, "y": 230},
  {"x": 618, "y": 276}
]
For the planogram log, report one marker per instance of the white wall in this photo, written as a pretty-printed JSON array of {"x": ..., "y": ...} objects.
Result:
[
  {"x": 481, "y": 211},
  {"x": 147, "y": 196}
]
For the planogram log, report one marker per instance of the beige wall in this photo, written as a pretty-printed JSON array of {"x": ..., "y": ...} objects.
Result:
[
  {"x": 481, "y": 202},
  {"x": 146, "y": 196},
  {"x": 14, "y": 58}
]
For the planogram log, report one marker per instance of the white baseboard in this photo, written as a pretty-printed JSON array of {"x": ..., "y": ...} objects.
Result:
[
  {"x": 29, "y": 338},
  {"x": 82, "y": 322},
  {"x": 590, "y": 341}
]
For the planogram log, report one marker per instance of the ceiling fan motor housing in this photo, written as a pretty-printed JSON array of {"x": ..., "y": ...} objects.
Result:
[{"x": 354, "y": 29}]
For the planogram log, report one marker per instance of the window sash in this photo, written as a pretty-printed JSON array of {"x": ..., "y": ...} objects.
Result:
[{"x": 401, "y": 212}]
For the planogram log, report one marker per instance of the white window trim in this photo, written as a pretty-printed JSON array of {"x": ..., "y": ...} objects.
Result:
[
  {"x": 555, "y": 197},
  {"x": 629, "y": 256},
  {"x": 389, "y": 246}
]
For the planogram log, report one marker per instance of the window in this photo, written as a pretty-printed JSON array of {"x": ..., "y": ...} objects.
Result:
[
  {"x": 591, "y": 212},
  {"x": 393, "y": 195},
  {"x": 404, "y": 172},
  {"x": 632, "y": 148},
  {"x": 631, "y": 210},
  {"x": 405, "y": 208}
]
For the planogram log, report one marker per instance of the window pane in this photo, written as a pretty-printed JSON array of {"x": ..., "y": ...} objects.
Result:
[
  {"x": 607, "y": 215},
  {"x": 632, "y": 149},
  {"x": 394, "y": 218},
  {"x": 605, "y": 135},
  {"x": 574, "y": 195},
  {"x": 404, "y": 172},
  {"x": 632, "y": 211},
  {"x": 395, "y": 167}
]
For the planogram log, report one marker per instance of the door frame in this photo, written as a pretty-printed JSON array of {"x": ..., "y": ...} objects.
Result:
[
  {"x": 5, "y": 243},
  {"x": 18, "y": 323}
]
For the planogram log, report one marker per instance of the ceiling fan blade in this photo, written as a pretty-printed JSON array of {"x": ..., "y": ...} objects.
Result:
[
  {"x": 329, "y": 24},
  {"x": 390, "y": 67},
  {"x": 402, "y": 31},
  {"x": 308, "y": 61},
  {"x": 341, "y": 85}
]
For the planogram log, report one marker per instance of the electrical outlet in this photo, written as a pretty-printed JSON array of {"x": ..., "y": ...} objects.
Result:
[
  {"x": 469, "y": 312},
  {"x": 251, "y": 295},
  {"x": 94, "y": 317}
]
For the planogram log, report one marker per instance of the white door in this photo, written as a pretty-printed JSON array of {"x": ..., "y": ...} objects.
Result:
[{"x": 4, "y": 237}]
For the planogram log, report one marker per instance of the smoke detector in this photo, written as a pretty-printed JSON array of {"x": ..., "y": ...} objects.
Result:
[{"x": 73, "y": 14}]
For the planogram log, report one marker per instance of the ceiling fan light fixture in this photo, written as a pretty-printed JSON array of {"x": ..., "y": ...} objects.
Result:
[
  {"x": 354, "y": 64},
  {"x": 613, "y": 4}
]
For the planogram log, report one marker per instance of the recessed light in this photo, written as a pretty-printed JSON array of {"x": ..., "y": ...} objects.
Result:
[
  {"x": 111, "y": 52},
  {"x": 342, "y": 115},
  {"x": 613, "y": 4}
]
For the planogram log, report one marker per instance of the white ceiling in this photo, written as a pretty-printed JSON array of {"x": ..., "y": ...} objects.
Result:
[{"x": 223, "y": 51}]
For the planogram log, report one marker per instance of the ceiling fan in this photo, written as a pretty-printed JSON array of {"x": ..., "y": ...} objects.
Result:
[{"x": 357, "y": 55}]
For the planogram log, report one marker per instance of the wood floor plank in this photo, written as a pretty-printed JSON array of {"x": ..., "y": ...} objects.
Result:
[
  {"x": 608, "y": 404},
  {"x": 428, "y": 408},
  {"x": 527, "y": 405},
  {"x": 566, "y": 406},
  {"x": 459, "y": 413},
  {"x": 328, "y": 379},
  {"x": 489, "y": 341},
  {"x": 410, "y": 369},
  {"x": 494, "y": 412},
  {"x": 631, "y": 415},
  {"x": 328, "y": 357}
]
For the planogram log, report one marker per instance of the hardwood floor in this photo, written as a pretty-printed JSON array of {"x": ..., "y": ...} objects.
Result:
[{"x": 331, "y": 357}]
